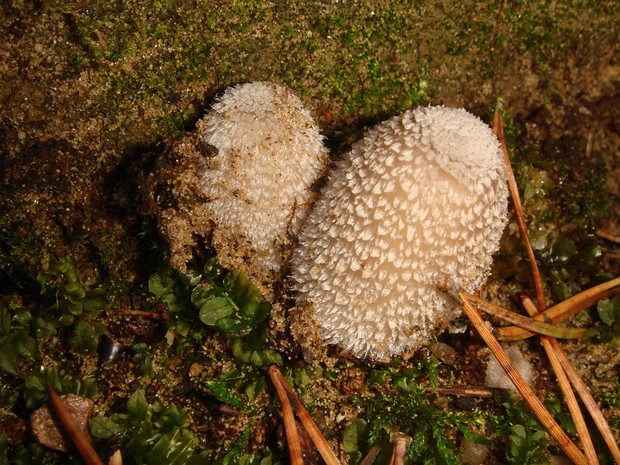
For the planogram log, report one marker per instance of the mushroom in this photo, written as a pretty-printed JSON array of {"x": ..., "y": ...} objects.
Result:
[
  {"x": 420, "y": 201},
  {"x": 262, "y": 152}
]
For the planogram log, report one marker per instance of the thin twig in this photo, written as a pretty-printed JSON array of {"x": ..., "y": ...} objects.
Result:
[
  {"x": 313, "y": 431},
  {"x": 76, "y": 435},
  {"x": 530, "y": 324},
  {"x": 142, "y": 313},
  {"x": 116, "y": 458},
  {"x": 551, "y": 347},
  {"x": 554, "y": 429},
  {"x": 290, "y": 428},
  {"x": 550, "y": 344},
  {"x": 371, "y": 456},
  {"x": 582, "y": 390},
  {"x": 498, "y": 130},
  {"x": 608, "y": 236},
  {"x": 565, "y": 309},
  {"x": 590, "y": 403},
  {"x": 464, "y": 391}
]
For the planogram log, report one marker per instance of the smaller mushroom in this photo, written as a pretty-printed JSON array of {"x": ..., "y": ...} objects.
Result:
[
  {"x": 262, "y": 153},
  {"x": 241, "y": 184}
]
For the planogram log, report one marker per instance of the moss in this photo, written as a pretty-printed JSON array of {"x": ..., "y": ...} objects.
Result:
[{"x": 110, "y": 80}]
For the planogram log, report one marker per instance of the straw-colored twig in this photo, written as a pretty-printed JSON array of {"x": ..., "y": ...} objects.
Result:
[
  {"x": 565, "y": 309},
  {"x": 554, "y": 429},
  {"x": 76, "y": 435},
  {"x": 116, "y": 458},
  {"x": 530, "y": 324},
  {"x": 582, "y": 390},
  {"x": 607, "y": 235},
  {"x": 464, "y": 391},
  {"x": 551, "y": 347},
  {"x": 590, "y": 403},
  {"x": 290, "y": 428},
  {"x": 550, "y": 344},
  {"x": 371, "y": 456},
  {"x": 313, "y": 431},
  {"x": 142, "y": 313},
  {"x": 498, "y": 129}
]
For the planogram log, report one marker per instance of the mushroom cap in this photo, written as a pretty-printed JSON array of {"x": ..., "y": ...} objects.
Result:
[
  {"x": 264, "y": 151},
  {"x": 421, "y": 200}
]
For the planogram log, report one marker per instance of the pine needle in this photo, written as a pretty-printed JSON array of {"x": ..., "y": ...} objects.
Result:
[
  {"x": 290, "y": 428},
  {"x": 313, "y": 431},
  {"x": 552, "y": 347},
  {"x": 543, "y": 415},
  {"x": 550, "y": 344},
  {"x": 565, "y": 309},
  {"x": 530, "y": 324}
]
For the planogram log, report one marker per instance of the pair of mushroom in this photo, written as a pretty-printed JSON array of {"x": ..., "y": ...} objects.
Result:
[{"x": 420, "y": 200}]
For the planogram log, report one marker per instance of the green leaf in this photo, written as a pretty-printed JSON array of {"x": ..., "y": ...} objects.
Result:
[
  {"x": 200, "y": 294},
  {"x": 562, "y": 250},
  {"x": 608, "y": 310},
  {"x": 256, "y": 311},
  {"x": 352, "y": 440},
  {"x": 95, "y": 300},
  {"x": 34, "y": 383},
  {"x": 232, "y": 324},
  {"x": 22, "y": 317},
  {"x": 137, "y": 405},
  {"x": 174, "y": 300},
  {"x": 174, "y": 418},
  {"x": 234, "y": 454},
  {"x": 301, "y": 377},
  {"x": 8, "y": 356},
  {"x": 257, "y": 358},
  {"x": 222, "y": 394},
  {"x": 32, "y": 454},
  {"x": 161, "y": 282},
  {"x": 75, "y": 292},
  {"x": 445, "y": 447},
  {"x": 24, "y": 344},
  {"x": 261, "y": 358},
  {"x": 173, "y": 447},
  {"x": 254, "y": 388},
  {"x": 214, "y": 309},
  {"x": 42, "y": 328},
  {"x": 406, "y": 384},
  {"x": 5, "y": 320},
  {"x": 469, "y": 434},
  {"x": 103, "y": 427},
  {"x": 87, "y": 388}
]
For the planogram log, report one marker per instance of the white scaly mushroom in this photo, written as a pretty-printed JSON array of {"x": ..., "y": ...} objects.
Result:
[
  {"x": 421, "y": 200},
  {"x": 265, "y": 153}
]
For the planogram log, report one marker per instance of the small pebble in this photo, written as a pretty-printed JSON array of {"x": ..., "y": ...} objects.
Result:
[
  {"x": 496, "y": 377},
  {"x": 43, "y": 424},
  {"x": 473, "y": 453}
]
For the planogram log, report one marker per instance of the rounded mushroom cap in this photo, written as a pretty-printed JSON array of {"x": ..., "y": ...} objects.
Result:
[
  {"x": 263, "y": 152},
  {"x": 421, "y": 200}
]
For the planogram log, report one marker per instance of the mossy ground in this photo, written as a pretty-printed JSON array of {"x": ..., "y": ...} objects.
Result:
[{"x": 90, "y": 88}]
